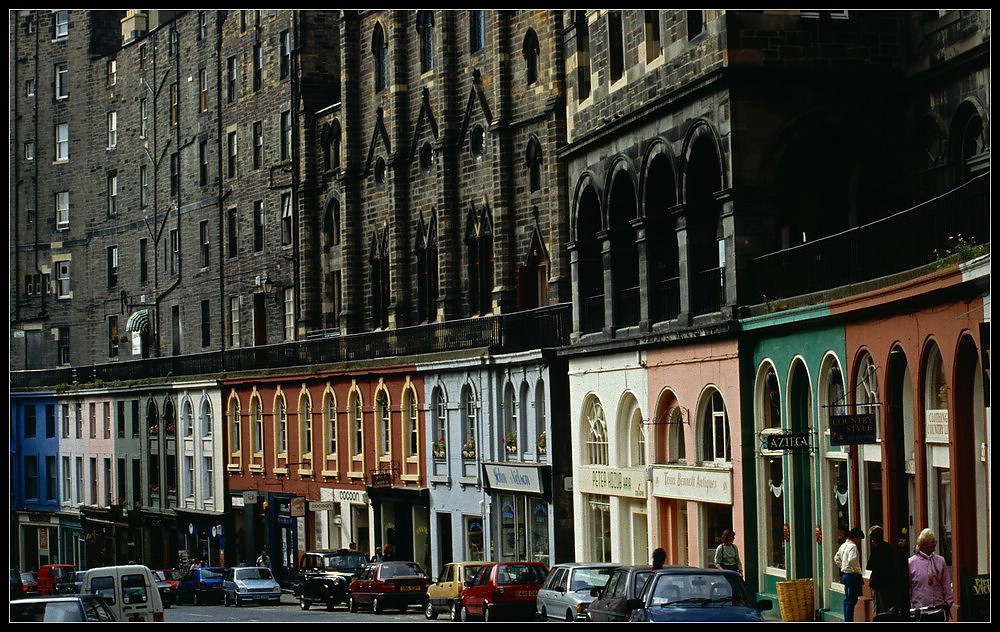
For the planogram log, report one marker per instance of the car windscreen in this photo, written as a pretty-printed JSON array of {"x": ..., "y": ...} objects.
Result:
[
  {"x": 344, "y": 562},
  {"x": 134, "y": 589},
  {"x": 253, "y": 573},
  {"x": 590, "y": 578},
  {"x": 45, "y": 611},
  {"x": 520, "y": 574},
  {"x": 212, "y": 573},
  {"x": 697, "y": 590},
  {"x": 471, "y": 572},
  {"x": 400, "y": 570}
]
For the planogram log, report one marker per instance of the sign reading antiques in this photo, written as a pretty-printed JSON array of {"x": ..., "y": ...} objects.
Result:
[
  {"x": 852, "y": 429},
  {"x": 702, "y": 484},
  {"x": 787, "y": 441}
]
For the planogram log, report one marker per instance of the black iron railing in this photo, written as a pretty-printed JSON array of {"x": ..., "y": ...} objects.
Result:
[
  {"x": 628, "y": 310},
  {"x": 709, "y": 292},
  {"x": 592, "y": 314},
  {"x": 541, "y": 328},
  {"x": 666, "y": 300},
  {"x": 904, "y": 241}
]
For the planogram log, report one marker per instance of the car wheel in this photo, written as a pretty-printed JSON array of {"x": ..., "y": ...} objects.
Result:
[
  {"x": 376, "y": 606},
  {"x": 303, "y": 603},
  {"x": 544, "y": 616},
  {"x": 464, "y": 614},
  {"x": 351, "y": 604},
  {"x": 429, "y": 611},
  {"x": 196, "y": 600},
  {"x": 331, "y": 604},
  {"x": 486, "y": 614},
  {"x": 454, "y": 611},
  {"x": 225, "y": 600},
  {"x": 569, "y": 616}
]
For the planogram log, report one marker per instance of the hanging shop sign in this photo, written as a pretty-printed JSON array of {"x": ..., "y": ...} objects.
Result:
[
  {"x": 250, "y": 497},
  {"x": 852, "y": 429},
  {"x": 298, "y": 506},
  {"x": 787, "y": 441},
  {"x": 936, "y": 426}
]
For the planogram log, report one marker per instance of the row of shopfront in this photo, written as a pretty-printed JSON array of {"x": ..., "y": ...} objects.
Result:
[{"x": 789, "y": 429}]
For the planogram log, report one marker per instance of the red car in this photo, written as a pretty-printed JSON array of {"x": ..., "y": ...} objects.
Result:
[
  {"x": 50, "y": 574},
  {"x": 389, "y": 585},
  {"x": 503, "y": 590}
]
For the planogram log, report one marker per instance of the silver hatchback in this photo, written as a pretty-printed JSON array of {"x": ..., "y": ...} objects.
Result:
[
  {"x": 566, "y": 592},
  {"x": 250, "y": 584}
]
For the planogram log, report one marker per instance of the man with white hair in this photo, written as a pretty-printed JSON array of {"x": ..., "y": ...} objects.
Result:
[{"x": 930, "y": 582}]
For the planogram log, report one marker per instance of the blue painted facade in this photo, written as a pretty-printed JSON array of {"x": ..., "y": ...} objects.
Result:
[{"x": 35, "y": 477}]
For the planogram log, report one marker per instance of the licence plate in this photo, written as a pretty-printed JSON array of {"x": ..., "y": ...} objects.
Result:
[
  {"x": 136, "y": 617},
  {"x": 523, "y": 593},
  {"x": 409, "y": 587}
]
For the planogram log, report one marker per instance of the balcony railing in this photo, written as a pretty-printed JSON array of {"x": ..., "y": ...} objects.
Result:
[
  {"x": 628, "y": 309},
  {"x": 901, "y": 242},
  {"x": 592, "y": 314},
  {"x": 666, "y": 299},
  {"x": 709, "y": 292},
  {"x": 544, "y": 327}
]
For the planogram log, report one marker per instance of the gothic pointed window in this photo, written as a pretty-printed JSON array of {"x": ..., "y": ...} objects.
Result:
[
  {"x": 479, "y": 249},
  {"x": 380, "y": 58},
  {"x": 533, "y": 161},
  {"x": 378, "y": 259},
  {"x": 530, "y": 49},
  {"x": 425, "y": 27},
  {"x": 427, "y": 269}
]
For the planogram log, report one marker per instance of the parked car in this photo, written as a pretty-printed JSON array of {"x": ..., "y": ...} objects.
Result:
[
  {"x": 166, "y": 588},
  {"x": 388, "y": 585},
  {"x": 611, "y": 602},
  {"x": 697, "y": 594},
  {"x": 61, "y": 608},
  {"x": 29, "y": 584},
  {"x": 324, "y": 577},
  {"x": 567, "y": 591},
  {"x": 129, "y": 592},
  {"x": 442, "y": 595},
  {"x": 16, "y": 587},
  {"x": 250, "y": 584},
  {"x": 170, "y": 575},
  {"x": 504, "y": 590},
  {"x": 200, "y": 585},
  {"x": 50, "y": 574},
  {"x": 71, "y": 583}
]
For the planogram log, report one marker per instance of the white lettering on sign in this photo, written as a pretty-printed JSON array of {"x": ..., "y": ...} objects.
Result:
[
  {"x": 514, "y": 478},
  {"x": 623, "y": 482}
]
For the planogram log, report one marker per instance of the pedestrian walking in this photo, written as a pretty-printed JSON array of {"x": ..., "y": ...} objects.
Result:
[
  {"x": 378, "y": 555},
  {"x": 882, "y": 580},
  {"x": 930, "y": 582},
  {"x": 659, "y": 557},
  {"x": 388, "y": 552},
  {"x": 727, "y": 556},
  {"x": 263, "y": 559},
  {"x": 848, "y": 560}
]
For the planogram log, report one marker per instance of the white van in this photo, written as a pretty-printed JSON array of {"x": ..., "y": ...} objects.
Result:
[{"x": 130, "y": 591}]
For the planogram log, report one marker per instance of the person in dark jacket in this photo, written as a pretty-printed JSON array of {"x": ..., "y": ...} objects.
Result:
[{"x": 883, "y": 580}]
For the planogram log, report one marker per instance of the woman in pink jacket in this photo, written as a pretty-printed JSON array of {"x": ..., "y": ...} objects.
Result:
[{"x": 930, "y": 582}]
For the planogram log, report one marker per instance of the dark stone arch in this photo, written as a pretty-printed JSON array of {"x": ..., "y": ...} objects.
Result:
[
  {"x": 588, "y": 228},
  {"x": 331, "y": 220},
  {"x": 657, "y": 200},
  {"x": 703, "y": 181},
  {"x": 622, "y": 210},
  {"x": 968, "y": 140}
]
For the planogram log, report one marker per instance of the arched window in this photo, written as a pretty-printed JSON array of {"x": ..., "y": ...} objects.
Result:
[
  {"x": 427, "y": 268},
  {"x": 206, "y": 418},
  {"x": 305, "y": 426},
  {"x": 715, "y": 431},
  {"x": 541, "y": 419},
  {"x": 331, "y": 426},
  {"x": 637, "y": 439},
  {"x": 440, "y": 447},
  {"x": 479, "y": 246},
  {"x": 169, "y": 419},
  {"x": 509, "y": 445},
  {"x": 187, "y": 419},
  {"x": 152, "y": 419},
  {"x": 938, "y": 437},
  {"x": 282, "y": 429},
  {"x": 530, "y": 50},
  {"x": 469, "y": 417},
  {"x": 385, "y": 430},
  {"x": 235, "y": 436},
  {"x": 522, "y": 419},
  {"x": 425, "y": 28},
  {"x": 357, "y": 425},
  {"x": 533, "y": 160},
  {"x": 597, "y": 439},
  {"x": 477, "y": 30},
  {"x": 676, "y": 448},
  {"x": 331, "y": 224},
  {"x": 412, "y": 424},
  {"x": 380, "y": 55},
  {"x": 258, "y": 426},
  {"x": 582, "y": 55}
]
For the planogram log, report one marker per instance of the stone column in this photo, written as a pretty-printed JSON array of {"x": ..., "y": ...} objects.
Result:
[
  {"x": 645, "y": 274},
  {"x": 679, "y": 213}
]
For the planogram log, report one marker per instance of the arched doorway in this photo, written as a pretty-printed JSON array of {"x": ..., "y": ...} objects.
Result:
[
  {"x": 800, "y": 472},
  {"x": 899, "y": 472}
]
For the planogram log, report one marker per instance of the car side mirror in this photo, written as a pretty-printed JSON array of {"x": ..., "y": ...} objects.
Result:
[
  {"x": 470, "y": 583},
  {"x": 635, "y": 604},
  {"x": 765, "y": 604},
  {"x": 595, "y": 592},
  {"x": 561, "y": 589}
]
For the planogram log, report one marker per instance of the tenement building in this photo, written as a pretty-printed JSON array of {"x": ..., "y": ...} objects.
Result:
[{"x": 540, "y": 285}]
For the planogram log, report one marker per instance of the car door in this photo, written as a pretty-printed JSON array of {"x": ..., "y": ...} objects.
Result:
[
  {"x": 599, "y": 609},
  {"x": 475, "y": 597},
  {"x": 549, "y": 593},
  {"x": 615, "y": 600}
]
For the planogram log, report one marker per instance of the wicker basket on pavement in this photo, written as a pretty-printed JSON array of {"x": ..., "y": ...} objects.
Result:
[{"x": 795, "y": 598}]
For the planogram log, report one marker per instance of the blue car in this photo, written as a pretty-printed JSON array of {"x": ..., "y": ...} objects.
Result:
[
  {"x": 200, "y": 585},
  {"x": 696, "y": 594}
]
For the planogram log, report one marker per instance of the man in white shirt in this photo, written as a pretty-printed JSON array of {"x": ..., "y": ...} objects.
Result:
[{"x": 848, "y": 560}]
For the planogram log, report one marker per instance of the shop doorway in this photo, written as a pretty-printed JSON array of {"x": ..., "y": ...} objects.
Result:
[
  {"x": 717, "y": 518},
  {"x": 800, "y": 409},
  {"x": 444, "y": 540},
  {"x": 898, "y": 444},
  {"x": 359, "y": 528}
]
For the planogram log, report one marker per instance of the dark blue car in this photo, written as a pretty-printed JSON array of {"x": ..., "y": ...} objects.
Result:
[
  {"x": 696, "y": 594},
  {"x": 200, "y": 585}
]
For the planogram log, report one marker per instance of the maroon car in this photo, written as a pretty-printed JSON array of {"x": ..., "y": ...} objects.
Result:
[
  {"x": 389, "y": 585},
  {"x": 505, "y": 590}
]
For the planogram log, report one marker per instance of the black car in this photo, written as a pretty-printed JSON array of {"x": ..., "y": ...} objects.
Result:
[
  {"x": 16, "y": 587},
  {"x": 708, "y": 595},
  {"x": 325, "y": 575},
  {"x": 611, "y": 603},
  {"x": 61, "y": 608},
  {"x": 71, "y": 583}
]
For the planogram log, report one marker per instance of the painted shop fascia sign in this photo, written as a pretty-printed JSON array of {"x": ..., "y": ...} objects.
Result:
[
  {"x": 787, "y": 441},
  {"x": 354, "y": 496},
  {"x": 612, "y": 482},
  {"x": 852, "y": 429},
  {"x": 524, "y": 479},
  {"x": 699, "y": 484}
]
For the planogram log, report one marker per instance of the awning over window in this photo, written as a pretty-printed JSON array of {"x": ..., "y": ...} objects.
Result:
[{"x": 138, "y": 321}]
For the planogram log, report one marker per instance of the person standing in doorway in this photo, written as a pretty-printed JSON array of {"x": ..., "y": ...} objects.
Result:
[
  {"x": 930, "y": 581},
  {"x": 882, "y": 581},
  {"x": 263, "y": 559},
  {"x": 848, "y": 560},
  {"x": 727, "y": 556}
]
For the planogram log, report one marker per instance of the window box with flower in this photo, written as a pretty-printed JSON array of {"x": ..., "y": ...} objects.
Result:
[
  {"x": 469, "y": 449},
  {"x": 440, "y": 449},
  {"x": 540, "y": 444},
  {"x": 510, "y": 443}
]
